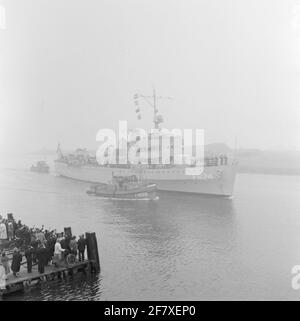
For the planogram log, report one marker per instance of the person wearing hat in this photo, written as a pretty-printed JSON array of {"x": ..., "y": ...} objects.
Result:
[{"x": 16, "y": 261}]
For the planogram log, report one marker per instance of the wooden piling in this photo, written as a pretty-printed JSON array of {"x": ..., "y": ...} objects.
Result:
[
  {"x": 27, "y": 280},
  {"x": 68, "y": 231},
  {"x": 92, "y": 250},
  {"x": 10, "y": 216}
]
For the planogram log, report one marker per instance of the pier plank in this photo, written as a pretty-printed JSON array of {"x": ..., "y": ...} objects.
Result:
[{"x": 51, "y": 270}]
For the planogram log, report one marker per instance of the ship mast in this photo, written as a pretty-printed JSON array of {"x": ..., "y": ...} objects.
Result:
[
  {"x": 152, "y": 101},
  {"x": 155, "y": 110}
]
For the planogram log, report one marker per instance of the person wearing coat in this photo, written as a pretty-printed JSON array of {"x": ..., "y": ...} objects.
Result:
[
  {"x": 81, "y": 247},
  {"x": 2, "y": 278},
  {"x": 42, "y": 257},
  {"x": 34, "y": 244},
  {"x": 40, "y": 236},
  {"x": 16, "y": 261},
  {"x": 58, "y": 251},
  {"x": 51, "y": 246},
  {"x": 73, "y": 246},
  {"x": 10, "y": 230},
  {"x": 5, "y": 262},
  {"x": 29, "y": 258},
  {"x": 3, "y": 231}
]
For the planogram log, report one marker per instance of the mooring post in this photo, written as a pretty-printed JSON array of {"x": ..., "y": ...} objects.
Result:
[
  {"x": 68, "y": 231},
  {"x": 92, "y": 249}
]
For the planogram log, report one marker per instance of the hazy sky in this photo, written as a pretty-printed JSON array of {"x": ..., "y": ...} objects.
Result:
[{"x": 69, "y": 68}]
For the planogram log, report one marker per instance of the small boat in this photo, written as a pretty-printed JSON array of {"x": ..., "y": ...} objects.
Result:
[
  {"x": 40, "y": 167},
  {"x": 125, "y": 188}
]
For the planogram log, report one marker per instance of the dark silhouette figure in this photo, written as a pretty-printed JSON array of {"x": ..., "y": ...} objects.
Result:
[
  {"x": 16, "y": 262},
  {"x": 81, "y": 247},
  {"x": 29, "y": 258},
  {"x": 42, "y": 257}
]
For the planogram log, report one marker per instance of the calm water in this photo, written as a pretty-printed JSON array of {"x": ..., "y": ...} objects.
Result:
[{"x": 183, "y": 247}]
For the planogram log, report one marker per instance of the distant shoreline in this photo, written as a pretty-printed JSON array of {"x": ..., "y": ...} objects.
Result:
[
  {"x": 269, "y": 162},
  {"x": 269, "y": 171}
]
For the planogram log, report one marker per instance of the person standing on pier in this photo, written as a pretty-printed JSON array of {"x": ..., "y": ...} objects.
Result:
[
  {"x": 81, "y": 247},
  {"x": 62, "y": 242},
  {"x": 73, "y": 246},
  {"x": 16, "y": 261},
  {"x": 5, "y": 262},
  {"x": 3, "y": 231},
  {"x": 65, "y": 243},
  {"x": 51, "y": 245},
  {"x": 19, "y": 224},
  {"x": 10, "y": 230},
  {"x": 40, "y": 236},
  {"x": 2, "y": 278},
  {"x": 34, "y": 244},
  {"x": 29, "y": 258},
  {"x": 42, "y": 256},
  {"x": 58, "y": 250}
]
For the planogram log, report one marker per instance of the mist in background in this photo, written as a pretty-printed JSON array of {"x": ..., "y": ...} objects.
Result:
[{"x": 69, "y": 68}]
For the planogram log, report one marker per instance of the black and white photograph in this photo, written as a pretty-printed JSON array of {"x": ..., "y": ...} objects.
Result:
[{"x": 149, "y": 153}]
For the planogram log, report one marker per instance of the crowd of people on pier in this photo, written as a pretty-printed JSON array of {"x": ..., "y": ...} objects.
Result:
[{"x": 38, "y": 246}]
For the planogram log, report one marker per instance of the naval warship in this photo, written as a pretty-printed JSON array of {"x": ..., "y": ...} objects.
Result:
[{"x": 217, "y": 177}]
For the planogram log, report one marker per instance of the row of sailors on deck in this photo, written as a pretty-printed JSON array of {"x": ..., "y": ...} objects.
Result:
[
  {"x": 220, "y": 160},
  {"x": 208, "y": 161}
]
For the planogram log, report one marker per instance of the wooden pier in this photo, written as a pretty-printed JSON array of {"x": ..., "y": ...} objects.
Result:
[{"x": 25, "y": 280}]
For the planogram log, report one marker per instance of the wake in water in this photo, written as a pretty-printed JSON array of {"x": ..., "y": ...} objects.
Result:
[{"x": 28, "y": 190}]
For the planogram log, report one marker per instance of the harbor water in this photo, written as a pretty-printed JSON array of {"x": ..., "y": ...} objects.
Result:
[{"x": 182, "y": 247}]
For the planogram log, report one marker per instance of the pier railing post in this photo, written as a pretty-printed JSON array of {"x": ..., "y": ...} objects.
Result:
[{"x": 92, "y": 249}]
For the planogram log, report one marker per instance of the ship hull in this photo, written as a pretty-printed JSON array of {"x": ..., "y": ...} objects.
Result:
[{"x": 215, "y": 180}]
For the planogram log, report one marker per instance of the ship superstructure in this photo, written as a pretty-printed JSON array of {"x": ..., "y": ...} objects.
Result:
[{"x": 217, "y": 178}]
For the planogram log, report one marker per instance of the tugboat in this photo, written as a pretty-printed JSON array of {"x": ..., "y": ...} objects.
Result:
[
  {"x": 40, "y": 167},
  {"x": 125, "y": 188}
]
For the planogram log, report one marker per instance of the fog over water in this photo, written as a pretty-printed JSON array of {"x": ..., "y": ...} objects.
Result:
[{"x": 69, "y": 68}]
